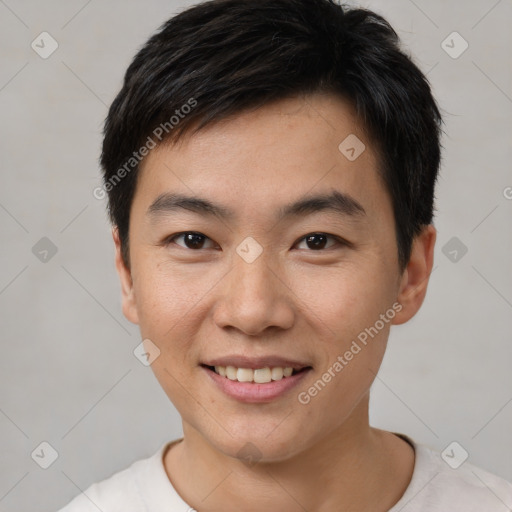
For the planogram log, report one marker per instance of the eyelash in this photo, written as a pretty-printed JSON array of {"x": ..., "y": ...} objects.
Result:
[{"x": 170, "y": 240}]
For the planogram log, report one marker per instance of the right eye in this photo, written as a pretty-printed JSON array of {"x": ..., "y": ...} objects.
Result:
[{"x": 191, "y": 240}]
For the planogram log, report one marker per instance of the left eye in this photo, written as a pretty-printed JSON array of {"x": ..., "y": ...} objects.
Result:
[{"x": 318, "y": 241}]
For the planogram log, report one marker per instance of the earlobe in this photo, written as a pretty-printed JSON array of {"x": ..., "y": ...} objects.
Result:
[
  {"x": 414, "y": 281},
  {"x": 127, "y": 291}
]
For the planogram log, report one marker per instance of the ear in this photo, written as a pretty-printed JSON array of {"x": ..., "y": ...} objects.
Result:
[
  {"x": 127, "y": 291},
  {"x": 414, "y": 280}
]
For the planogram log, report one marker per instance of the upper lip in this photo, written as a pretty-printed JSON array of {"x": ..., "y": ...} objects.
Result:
[{"x": 256, "y": 362}]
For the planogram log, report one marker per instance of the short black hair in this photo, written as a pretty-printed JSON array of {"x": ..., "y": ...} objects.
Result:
[{"x": 218, "y": 58}]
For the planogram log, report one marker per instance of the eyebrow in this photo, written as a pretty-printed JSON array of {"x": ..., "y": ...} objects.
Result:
[{"x": 336, "y": 201}]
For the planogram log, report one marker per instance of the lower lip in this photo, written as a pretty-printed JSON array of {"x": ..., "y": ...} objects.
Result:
[{"x": 250, "y": 392}]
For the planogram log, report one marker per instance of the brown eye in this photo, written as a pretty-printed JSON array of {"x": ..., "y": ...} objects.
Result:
[
  {"x": 318, "y": 241},
  {"x": 191, "y": 240}
]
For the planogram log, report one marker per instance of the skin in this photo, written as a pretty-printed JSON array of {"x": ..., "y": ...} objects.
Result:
[{"x": 293, "y": 301}]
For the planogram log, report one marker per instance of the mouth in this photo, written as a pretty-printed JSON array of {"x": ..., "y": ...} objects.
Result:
[
  {"x": 259, "y": 384},
  {"x": 257, "y": 375}
]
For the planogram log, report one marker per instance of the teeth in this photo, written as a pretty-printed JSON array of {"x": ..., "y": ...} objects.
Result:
[
  {"x": 244, "y": 375},
  {"x": 259, "y": 376},
  {"x": 230, "y": 372},
  {"x": 262, "y": 375},
  {"x": 277, "y": 373}
]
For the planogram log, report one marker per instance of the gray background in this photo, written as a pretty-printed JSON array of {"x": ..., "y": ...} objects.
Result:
[{"x": 69, "y": 376}]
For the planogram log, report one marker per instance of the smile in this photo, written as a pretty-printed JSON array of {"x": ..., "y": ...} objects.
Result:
[
  {"x": 255, "y": 385},
  {"x": 258, "y": 375}
]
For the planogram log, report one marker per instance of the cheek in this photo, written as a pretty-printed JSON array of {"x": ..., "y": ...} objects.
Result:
[
  {"x": 350, "y": 312},
  {"x": 344, "y": 299},
  {"x": 349, "y": 361},
  {"x": 167, "y": 294},
  {"x": 167, "y": 306}
]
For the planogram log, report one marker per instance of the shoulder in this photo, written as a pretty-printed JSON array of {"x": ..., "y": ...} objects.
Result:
[
  {"x": 122, "y": 492},
  {"x": 451, "y": 483}
]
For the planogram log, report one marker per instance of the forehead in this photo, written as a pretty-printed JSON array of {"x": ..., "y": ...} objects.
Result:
[{"x": 261, "y": 159}]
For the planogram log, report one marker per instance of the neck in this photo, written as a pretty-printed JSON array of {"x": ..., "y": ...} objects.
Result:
[{"x": 355, "y": 467}]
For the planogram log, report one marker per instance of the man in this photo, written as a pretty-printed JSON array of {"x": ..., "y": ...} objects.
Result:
[{"x": 270, "y": 167}]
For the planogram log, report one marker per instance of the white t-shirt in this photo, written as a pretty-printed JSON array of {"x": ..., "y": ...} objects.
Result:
[{"x": 434, "y": 487}]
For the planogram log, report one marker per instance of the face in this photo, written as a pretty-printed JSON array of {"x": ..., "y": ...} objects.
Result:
[{"x": 279, "y": 253}]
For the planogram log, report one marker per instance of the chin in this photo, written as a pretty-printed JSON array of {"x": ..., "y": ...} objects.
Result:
[{"x": 261, "y": 445}]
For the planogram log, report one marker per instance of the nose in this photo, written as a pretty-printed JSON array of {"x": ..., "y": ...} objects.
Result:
[{"x": 254, "y": 297}]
